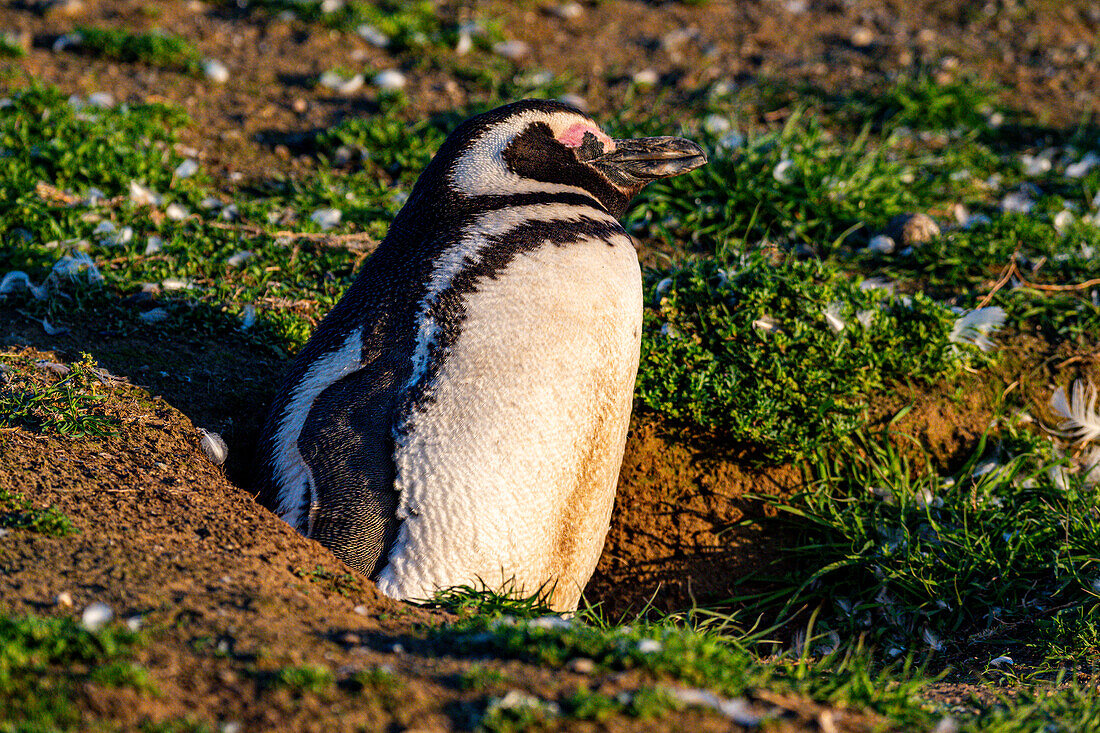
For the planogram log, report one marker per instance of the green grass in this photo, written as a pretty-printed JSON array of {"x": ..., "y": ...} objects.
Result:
[
  {"x": 70, "y": 407},
  {"x": 44, "y": 660},
  {"x": 18, "y": 513},
  {"x": 923, "y": 563},
  {"x": 154, "y": 48},
  {"x": 302, "y": 679}
]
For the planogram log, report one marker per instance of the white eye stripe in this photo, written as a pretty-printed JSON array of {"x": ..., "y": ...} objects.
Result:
[{"x": 482, "y": 171}]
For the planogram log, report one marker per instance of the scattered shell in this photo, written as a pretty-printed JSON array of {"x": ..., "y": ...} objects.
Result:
[
  {"x": 1081, "y": 168},
  {"x": 239, "y": 258},
  {"x": 153, "y": 244},
  {"x": 650, "y": 646},
  {"x": 214, "y": 447},
  {"x": 154, "y": 315},
  {"x": 105, "y": 227},
  {"x": 736, "y": 709},
  {"x": 515, "y": 699},
  {"x": 143, "y": 196},
  {"x": 512, "y": 50},
  {"x": 912, "y": 229},
  {"x": 187, "y": 168},
  {"x": 1017, "y": 202},
  {"x": 947, "y": 724},
  {"x": 1001, "y": 661},
  {"x": 550, "y": 622},
  {"x": 215, "y": 71},
  {"x": 326, "y": 218},
  {"x": 103, "y": 100},
  {"x": 784, "y": 171},
  {"x": 1035, "y": 165},
  {"x": 67, "y": 40},
  {"x": 389, "y": 79},
  {"x": 342, "y": 84},
  {"x": 175, "y": 212},
  {"x": 96, "y": 616},
  {"x": 134, "y": 623},
  {"x": 765, "y": 323},
  {"x": 373, "y": 36},
  {"x": 882, "y": 244},
  {"x": 361, "y": 610},
  {"x": 175, "y": 283},
  {"x": 64, "y": 598},
  {"x": 1063, "y": 219}
]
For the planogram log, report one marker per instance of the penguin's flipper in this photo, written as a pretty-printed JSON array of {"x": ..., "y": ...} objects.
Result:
[{"x": 347, "y": 442}]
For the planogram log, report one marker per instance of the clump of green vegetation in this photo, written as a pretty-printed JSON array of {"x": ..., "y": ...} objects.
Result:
[
  {"x": 18, "y": 513},
  {"x": 480, "y": 677},
  {"x": 43, "y": 660},
  {"x": 10, "y": 48},
  {"x": 407, "y": 25},
  {"x": 920, "y": 562},
  {"x": 343, "y": 583},
  {"x": 784, "y": 355},
  {"x": 154, "y": 48},
  {"x": 483, "y": 602},
  {"x": 302, "y": 679},
  {"x": 70, "y": 406}
]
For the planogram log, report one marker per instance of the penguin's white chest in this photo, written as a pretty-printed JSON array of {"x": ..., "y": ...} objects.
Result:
[{"x": 507, "y": 472}]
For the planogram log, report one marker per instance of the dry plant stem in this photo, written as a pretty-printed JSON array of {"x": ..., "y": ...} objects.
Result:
[{"x": 1011, "y": 270}]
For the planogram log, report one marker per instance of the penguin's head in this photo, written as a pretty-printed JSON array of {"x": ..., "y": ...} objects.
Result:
[{"x": 543, "y": 146}]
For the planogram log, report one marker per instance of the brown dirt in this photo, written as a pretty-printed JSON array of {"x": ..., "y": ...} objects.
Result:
[{"x": 228, "y": 589}]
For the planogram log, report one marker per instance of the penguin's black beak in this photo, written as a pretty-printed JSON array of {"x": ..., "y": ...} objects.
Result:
[{"x": 638, "y": 161}]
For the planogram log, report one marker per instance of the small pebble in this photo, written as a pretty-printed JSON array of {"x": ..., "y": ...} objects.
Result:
[
  {"x": 134, "y": 623},
  {"x": 465, "y": 43},
  {"x": 239, "y": 258},
  {"x": 143, "y": 196},
  {"x": 67, "y": 40},
  {"x": 389, "y": 79},
  {"x": 912, "y": 229},
  {"x": 64, "y": 598},
  {"x": 361, "y": 610},
  {"x": 96, "y": 616},
  {"x": 214, "y": 447},
  {"x": 512, "y": 50},
  {"x": 862, "y": 37},
  {"x": 153, "y": 244},
  {"x": 215, "y": 71},
  {"x": 1035, "y": 165},
  {"x": 649, "y": 646},
  {"x": 1083, "y": 166}
]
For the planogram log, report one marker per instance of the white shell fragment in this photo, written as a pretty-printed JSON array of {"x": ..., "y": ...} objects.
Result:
[
  {"x": 143, "y": 196},
  {"x": 736, "y": 709},
  {"x": 96, "y": 616},
  {"x": 784, "y": 171},
  {"x": 373, "y": 36},
  {"x": 153, "y": 244},
  {"x": 214, "y": 447},
  {"x": 882, "y": 244},
  {"x": 175, "y": 212},
  {"x": 1081, "y": 168},
  {"x": 326, "y": 218},
  {"x": 215, "y": 71},
  {"x": 389, "y": 79},
  {"x": 511, "y": 50},
  {"x": 187, "y": 168},
  {"x": 342, "y": 84}
]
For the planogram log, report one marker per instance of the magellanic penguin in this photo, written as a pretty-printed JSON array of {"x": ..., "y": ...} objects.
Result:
[{"x": 460, "y": 416}]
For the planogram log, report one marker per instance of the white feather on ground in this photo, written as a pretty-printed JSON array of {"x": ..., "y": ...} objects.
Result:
[
  {"x": 976, "y": 326},
  {"x": 1081, "y": 422}
]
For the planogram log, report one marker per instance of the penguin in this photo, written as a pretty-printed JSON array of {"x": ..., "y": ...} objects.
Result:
[{"x": 459, "y": 417}]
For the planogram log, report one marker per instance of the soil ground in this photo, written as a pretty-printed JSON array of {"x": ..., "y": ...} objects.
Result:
[{"x": 232, "y": 591}]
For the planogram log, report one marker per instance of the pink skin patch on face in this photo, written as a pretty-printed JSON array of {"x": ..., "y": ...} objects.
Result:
[{"x": 574, "y": 136}]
